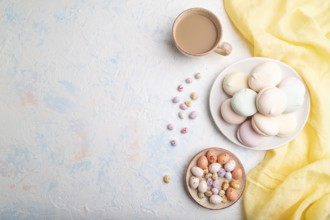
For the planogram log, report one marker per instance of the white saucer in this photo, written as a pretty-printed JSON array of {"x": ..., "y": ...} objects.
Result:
[{"x": 217, "y": 96}]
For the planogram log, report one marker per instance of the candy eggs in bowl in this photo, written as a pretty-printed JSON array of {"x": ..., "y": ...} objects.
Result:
[{"x": 215, "y": 178}]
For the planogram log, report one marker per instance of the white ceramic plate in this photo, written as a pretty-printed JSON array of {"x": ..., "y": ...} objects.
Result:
[{"x": 217, "y": 96}]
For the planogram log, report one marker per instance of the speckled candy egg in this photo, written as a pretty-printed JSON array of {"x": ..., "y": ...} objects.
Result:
[
  {"x": 202, "y": 162},
  {"x": 214, "y": 167},
  {"x": 196, "y": 171},
  {"x": 215, "y": 176},
  {"x": 230, "y": 166},
  {"x": 228, "y": 176},
  {"x": 216, "y": 184},
  {"x": 231, "y": 194},
  {"x": 208, "y": 193},
  {"x": 193, "y": 182},
  {"x": 215, "y": 190},
  {"x": 237, "y": 173},
  {"x": 215, "y": 199},
  {"x": 209, "y": 181},
  {"x": 225, "y": 185},
  {"x": 202, "y": 187},
  {"x": 222, "y": 172},
  {"x": 234, "y": 185},
  {"x": 223, "y": 158},
  {"x": 211, "y": 156},
  {"x": 222, "y": 192},
  {"x": 201, "y": 195}
]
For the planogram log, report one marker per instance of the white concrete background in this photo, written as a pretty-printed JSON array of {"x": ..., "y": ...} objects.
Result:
[{"x": 86, "y": 90}]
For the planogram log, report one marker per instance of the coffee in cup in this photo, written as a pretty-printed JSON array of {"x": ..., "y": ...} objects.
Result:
[{"x": 197, "y": 32}]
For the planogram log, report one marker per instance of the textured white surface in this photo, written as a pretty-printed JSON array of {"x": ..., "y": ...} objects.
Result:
[{"x": 86, "y": 90}]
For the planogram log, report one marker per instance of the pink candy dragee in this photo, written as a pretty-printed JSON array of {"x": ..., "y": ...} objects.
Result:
[
  {"x": 180, "y": 88},
  {"x": 184, "y": 130}
]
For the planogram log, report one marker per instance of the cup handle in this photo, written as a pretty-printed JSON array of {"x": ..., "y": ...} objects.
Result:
[{"x": 224, "y": 49}]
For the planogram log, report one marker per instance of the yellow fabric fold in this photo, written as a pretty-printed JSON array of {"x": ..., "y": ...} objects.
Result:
[{"x": 293, "y": 181}]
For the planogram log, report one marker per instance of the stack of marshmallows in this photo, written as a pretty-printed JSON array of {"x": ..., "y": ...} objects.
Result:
[{"x": 262, "y": 103}]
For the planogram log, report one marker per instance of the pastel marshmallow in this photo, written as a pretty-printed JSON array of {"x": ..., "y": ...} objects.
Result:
[
  {"x": 295, "y": 91},
  {"x": 248, "y": 137},
  {"x": 229, "y": 115},
  {"x": 244, "y": 102},
  {"x": 271, "y": 101},
  {"x": 265, "y": 125},
  {"x": 295, "y": 99},
  {"x": 234, "y": 82},
  {"x": 268, "y": 74},
  {"x": 288, "y": 124},
  {"x": 293, "y": 82}
]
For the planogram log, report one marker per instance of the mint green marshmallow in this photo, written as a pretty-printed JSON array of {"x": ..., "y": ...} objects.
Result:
[{"x": 244, "y": 102}]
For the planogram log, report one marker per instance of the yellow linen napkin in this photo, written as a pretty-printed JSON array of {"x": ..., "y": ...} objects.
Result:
[{"x": 293, "y": 182}]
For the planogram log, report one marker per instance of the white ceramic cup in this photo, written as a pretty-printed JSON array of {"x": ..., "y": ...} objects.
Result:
[{"x": 220, "y": 47}]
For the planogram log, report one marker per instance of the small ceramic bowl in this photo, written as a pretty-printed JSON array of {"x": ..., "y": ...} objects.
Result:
[{"x": 204, "y": 202}]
